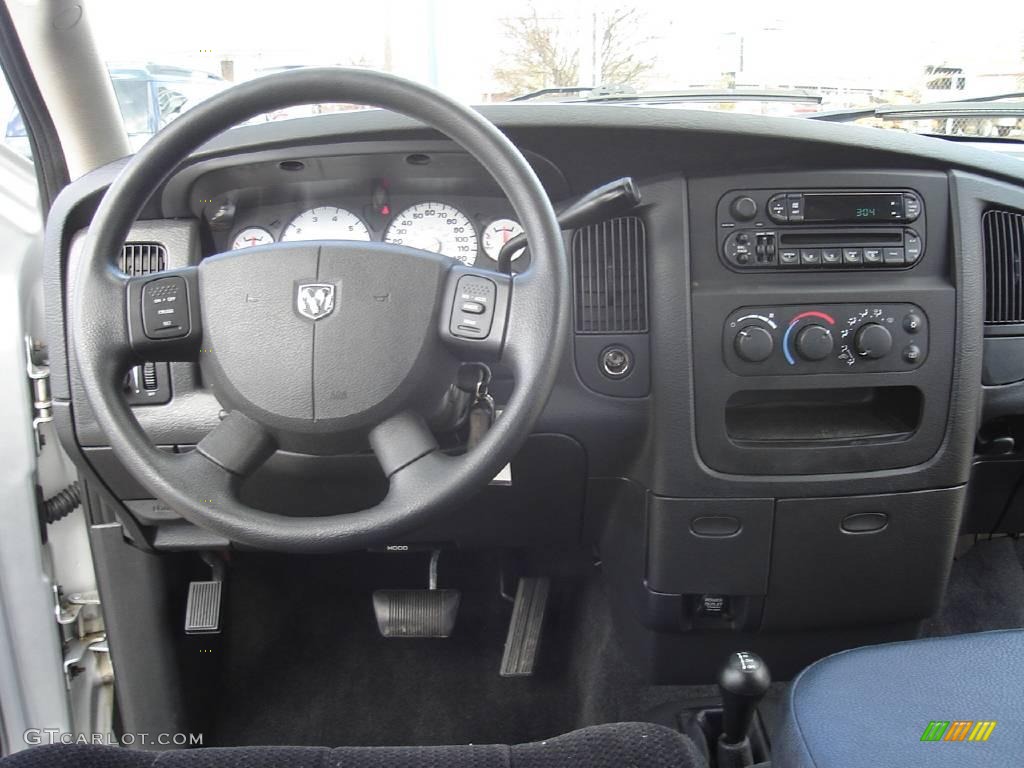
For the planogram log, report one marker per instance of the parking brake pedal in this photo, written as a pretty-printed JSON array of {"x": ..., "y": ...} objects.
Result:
[
  {"x": 417, "y": 612},
  {"x": 202, "y": 613},
  {"x": 526, "y": 627}
]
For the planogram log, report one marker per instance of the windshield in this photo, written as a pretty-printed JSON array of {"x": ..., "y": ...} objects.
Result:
[{"x": 827, "y": 57}]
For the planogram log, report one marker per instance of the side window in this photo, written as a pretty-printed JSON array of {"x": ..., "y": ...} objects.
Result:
[
  {"x": 133, "y": 98},
  {"x": 170, "y": 102},
  {"x": 15, "y": 137}
]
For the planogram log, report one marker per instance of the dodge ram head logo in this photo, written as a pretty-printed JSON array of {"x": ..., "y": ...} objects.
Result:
[{"x": 315, "y": 300}]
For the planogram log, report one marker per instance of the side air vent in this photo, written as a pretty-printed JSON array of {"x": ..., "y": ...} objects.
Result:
[
  {"x": 609, "y": 262},
  {"x": 143, "y": 258},
  {"x": 1004, "y": 252}
]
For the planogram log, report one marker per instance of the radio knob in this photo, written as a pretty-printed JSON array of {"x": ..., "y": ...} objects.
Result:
[
  {"x": 872, "y": 341},
  {"x": 744, "y": 208},
  {"x": 814, "y": 342},
  {"x": 753, "y": 344}
]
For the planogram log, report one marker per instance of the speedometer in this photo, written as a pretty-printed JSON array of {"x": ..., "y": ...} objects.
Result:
[
  {"x": 436, "y": 227},
  {"x": 326, "y": 223}
]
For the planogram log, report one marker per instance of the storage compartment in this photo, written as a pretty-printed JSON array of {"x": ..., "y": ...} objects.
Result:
[
  {"x": 795, "y": 417},
  {"x": 698, "y": 546},
  {"x": 861, "y": 559}
]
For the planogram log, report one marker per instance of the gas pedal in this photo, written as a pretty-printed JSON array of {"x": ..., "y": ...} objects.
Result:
[
  {"x": 417, "y": 612},
  {"x": 526, "y": 627}
]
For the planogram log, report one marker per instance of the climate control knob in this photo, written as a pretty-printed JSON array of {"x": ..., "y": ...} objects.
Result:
[
  {"x": 754, "y": 344},
  {"x": 872, "y": 341},
  {"x": 814, "y": 342}
]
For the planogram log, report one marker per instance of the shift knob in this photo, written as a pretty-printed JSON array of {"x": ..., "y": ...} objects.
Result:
[{"x": 744, "y": 680}]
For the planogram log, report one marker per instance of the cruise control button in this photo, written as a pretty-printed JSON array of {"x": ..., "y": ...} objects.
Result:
[
  {"x": 810, "y": 256},
  {"x": 165, "y": 308},
  {"x": 872, "y": 255},
  {"x": 853, "y": 256}
]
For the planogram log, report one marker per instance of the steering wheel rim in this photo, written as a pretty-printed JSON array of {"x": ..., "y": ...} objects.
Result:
[{"x": 202, "y": 485}]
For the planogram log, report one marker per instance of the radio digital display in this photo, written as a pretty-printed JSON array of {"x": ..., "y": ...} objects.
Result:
[{"x": 853, "y": 207}]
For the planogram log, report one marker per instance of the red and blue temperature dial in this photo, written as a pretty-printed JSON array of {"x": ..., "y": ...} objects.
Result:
[{"x": 809, "y": 340}]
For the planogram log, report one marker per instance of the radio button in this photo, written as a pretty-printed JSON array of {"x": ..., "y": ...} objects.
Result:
[
  {"x": 789, "y": 256},
  {"x": 831, "y": 256},
  {"x": 911, "y": 207},
  {"x": 854, "y": 256},
  {"x": 795, "y": 207},
  {"x": 777, "y": 210},
  {"x": 872, "y": 255},
  {"x": 894, "y": 256},
  {"x": 810, "y": 257},
  {"x": 912, "y": 247}
]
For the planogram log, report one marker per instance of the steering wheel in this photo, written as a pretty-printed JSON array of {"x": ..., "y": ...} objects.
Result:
[{"x": 312, "y": 346}]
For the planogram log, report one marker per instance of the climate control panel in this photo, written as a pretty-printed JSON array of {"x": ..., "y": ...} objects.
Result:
[{"x": 825, "y": 338}]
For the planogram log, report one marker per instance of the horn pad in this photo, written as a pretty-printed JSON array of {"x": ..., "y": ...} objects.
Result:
[{"x": 324, "y": 337}]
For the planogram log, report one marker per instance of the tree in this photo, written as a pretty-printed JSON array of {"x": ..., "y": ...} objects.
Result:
[{"x": 539, "y": 56}]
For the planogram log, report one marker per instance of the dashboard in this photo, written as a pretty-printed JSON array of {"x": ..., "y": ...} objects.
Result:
[{"x": 766, "y": 422}]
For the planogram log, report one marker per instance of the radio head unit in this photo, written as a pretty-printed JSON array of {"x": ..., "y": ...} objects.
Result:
[{"x": 821, "y": 229}]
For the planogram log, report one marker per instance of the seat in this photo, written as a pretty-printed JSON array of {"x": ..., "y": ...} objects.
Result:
[
  {"x": 638, "y": 745},
  {"x": 917, "y": 703}
]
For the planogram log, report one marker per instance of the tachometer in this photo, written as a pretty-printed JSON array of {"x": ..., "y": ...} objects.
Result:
[
  {"x": 499, "y": 232},
  {"x": 326, "y": 223},
  {"x": 436, "y": 227},
  {"x": 251, "y": 236}
]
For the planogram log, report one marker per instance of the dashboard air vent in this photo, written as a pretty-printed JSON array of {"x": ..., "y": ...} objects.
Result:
[
  {"x": 1004, "y": 252},
  {"x": 609, "y": 263},
  {"x": 143, "y": 258}
]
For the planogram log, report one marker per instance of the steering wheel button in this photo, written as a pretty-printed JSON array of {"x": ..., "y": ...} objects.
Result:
[
  {"x": 473, "y": 309},
  {"x": 165, "y": 308}
]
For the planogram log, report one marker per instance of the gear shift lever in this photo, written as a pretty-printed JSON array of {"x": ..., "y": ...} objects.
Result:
[{"x": 744, "y": 680}]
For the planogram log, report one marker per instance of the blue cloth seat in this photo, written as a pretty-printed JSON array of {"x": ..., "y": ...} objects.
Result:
[{"x": 871, "y": 707}]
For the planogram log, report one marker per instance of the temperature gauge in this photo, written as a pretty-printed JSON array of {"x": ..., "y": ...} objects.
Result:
[
  {"x": 251, "y": 236},
  {"x": 499, "y": 232}
]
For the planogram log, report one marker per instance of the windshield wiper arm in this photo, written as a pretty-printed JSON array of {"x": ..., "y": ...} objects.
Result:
[{"x": 979, "y": 106}]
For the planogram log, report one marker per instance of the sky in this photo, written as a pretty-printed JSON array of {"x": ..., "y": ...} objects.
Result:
[{"x": 456, "y": 44}]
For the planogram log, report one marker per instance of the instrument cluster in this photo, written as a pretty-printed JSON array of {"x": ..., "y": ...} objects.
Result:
[{"x": 469, "y": 229}]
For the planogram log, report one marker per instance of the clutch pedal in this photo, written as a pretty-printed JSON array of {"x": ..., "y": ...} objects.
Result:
[
  {"x": 417, "y": 612},
  {"x": 526, "y": 627}
]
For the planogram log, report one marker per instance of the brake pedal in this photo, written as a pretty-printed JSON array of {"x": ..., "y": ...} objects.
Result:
[
  {"x": 526, "y": 627},
  {"x": 417, "y": 612},
  {"x": 202, "y": 612}
]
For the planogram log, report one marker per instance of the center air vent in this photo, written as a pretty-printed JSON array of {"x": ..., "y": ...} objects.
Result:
[
  {"x": 1004, "y": 251},
  {"x": 609, "y": 262},
  {"x": 143, "y": 258}
]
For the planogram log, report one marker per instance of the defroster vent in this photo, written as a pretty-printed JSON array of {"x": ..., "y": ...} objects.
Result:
[
  {"x": 143, "y": 258},
  {"x": 609, "y": 262},
  {"x": 1004, "y": 251}
]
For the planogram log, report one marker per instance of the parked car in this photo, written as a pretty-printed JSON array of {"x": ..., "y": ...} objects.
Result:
[{"x": 149, "y": 95}]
